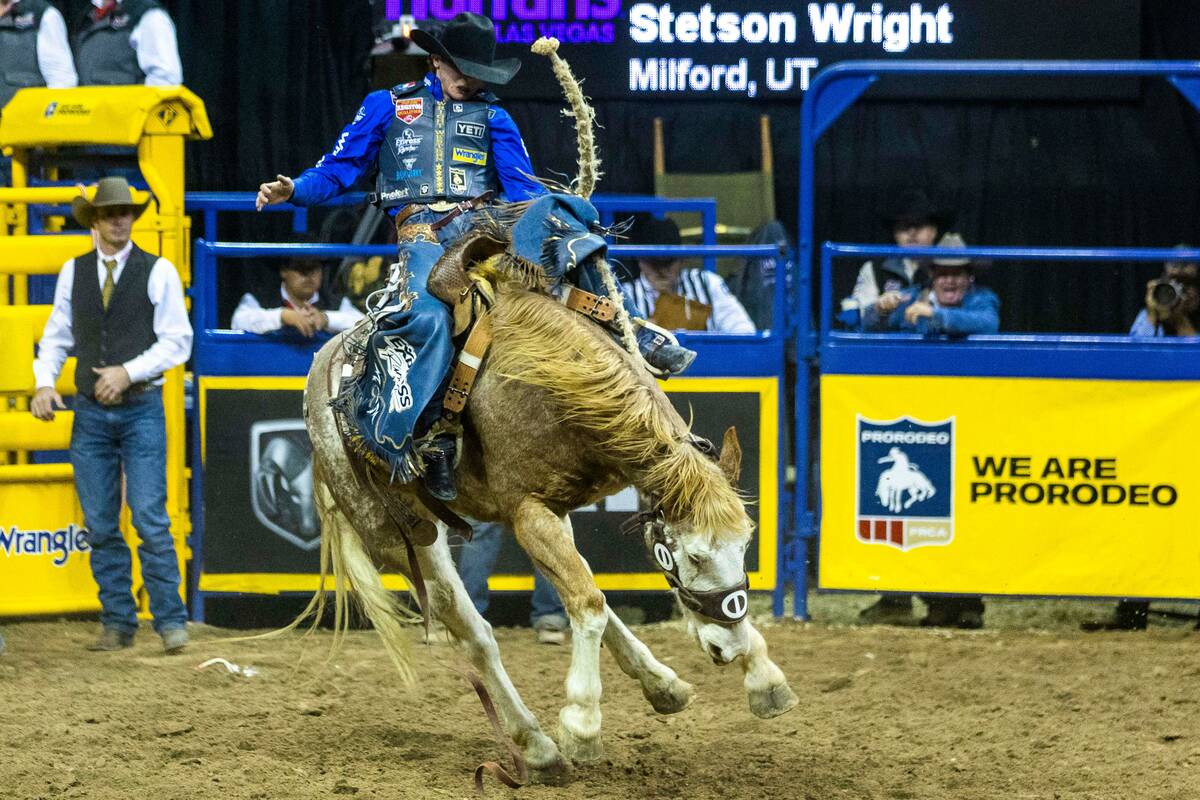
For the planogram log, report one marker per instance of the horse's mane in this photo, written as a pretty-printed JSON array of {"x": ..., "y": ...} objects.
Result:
[{"x": 538, "y": 341}]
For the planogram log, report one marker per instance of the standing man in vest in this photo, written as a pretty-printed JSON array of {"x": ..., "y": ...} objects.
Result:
[
  {"x": 127, "y": 42},
  {"x": 122, "y": 310},
  {"x": 33, "y": 48}
]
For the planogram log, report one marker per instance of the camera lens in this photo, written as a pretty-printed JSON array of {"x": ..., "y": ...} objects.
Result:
[{"x": 1165, "y": 295}]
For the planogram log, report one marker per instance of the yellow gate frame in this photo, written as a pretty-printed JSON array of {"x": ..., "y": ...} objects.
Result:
[{"x": 40, "y": 498}]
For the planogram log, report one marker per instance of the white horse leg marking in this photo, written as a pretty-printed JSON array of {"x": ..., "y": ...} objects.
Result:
[
  {"x": 766, "y": 687},
  {"x": 579, "y": 720},
  {"x": 451, "y": 604},
  {"x": 549, "y": 541},
  {"x": 660, "y": 685}
]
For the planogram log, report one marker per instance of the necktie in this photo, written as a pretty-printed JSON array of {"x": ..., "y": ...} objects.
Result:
[{"x": 106, "y": 293}]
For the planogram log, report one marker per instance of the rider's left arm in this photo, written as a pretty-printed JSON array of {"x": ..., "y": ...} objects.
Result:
[
  {"x": 513, "y": 167},
  {"x": 355, "y": 152}
]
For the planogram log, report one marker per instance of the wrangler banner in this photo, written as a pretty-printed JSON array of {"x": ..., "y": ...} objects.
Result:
[{"x": 1010, "y": 486}]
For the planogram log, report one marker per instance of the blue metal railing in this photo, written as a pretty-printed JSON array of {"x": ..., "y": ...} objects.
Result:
[{"x": 834, "y": 90}]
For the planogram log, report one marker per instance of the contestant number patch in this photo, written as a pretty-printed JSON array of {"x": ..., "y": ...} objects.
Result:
[{"x": 469, "y": 156}]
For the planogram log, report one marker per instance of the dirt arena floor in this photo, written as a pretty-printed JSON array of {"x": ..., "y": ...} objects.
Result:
[{"x": 1012, "y": 711}]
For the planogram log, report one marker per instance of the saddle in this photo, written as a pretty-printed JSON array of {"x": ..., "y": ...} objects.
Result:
[{"x": 471, "y": 300}]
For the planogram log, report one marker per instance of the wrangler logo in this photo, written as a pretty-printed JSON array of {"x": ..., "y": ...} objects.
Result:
[{"x": 469, "y": 156}]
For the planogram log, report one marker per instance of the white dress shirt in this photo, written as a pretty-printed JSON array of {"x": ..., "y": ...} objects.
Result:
[
  {"x": 251, "y": 317},
  {"x": 154, "y": 41},
  {"x": 171, "y": 324},
  {"x": 702, "y": 286},
  {"x": 55, "y": 61}
]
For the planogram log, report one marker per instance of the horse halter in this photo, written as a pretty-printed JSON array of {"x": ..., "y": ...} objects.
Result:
[{"x": 726, "y": 606}]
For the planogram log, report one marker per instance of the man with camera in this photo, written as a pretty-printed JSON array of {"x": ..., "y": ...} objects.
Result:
[
  {"x": 1172, "y": 309},
  {"x": 1172, "y": 301}
]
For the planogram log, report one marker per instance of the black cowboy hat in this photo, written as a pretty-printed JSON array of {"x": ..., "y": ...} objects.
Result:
[
  {"x": 914, "y": 206},
  {"x": 468, "y": 41}
]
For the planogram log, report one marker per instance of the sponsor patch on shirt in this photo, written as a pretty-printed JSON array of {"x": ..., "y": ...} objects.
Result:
[
  {"x": 409, "y": 109},
  {"x": 469, "y": 156},
  {"x": 458, "y": 180},
  {"x": 472, "y": 130}
]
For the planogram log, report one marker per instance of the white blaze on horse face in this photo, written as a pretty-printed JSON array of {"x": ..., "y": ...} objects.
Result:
[{"x": 706, "y": 566}]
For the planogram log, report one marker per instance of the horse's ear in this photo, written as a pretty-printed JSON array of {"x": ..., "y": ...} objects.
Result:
[{"x": 730, "y": 461}]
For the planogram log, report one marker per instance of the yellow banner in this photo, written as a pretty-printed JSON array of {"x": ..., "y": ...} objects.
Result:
[{"x": 1010, "y": 486}]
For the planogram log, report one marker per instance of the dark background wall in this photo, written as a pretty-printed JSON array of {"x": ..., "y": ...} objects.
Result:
[{"x": 280, "y": 78}]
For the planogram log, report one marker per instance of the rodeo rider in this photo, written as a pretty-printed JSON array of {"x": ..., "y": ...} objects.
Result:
[
  {"x": 122, "y": 311},
  {"x": 440, "y": 145}
]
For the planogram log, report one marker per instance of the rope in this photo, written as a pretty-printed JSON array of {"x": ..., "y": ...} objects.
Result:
[{"x": 585, "y": 117}]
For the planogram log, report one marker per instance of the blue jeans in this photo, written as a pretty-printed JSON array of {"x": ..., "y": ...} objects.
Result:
[
  {"x": 476, "y": 561},
  {"x": 104, "y": 440}
]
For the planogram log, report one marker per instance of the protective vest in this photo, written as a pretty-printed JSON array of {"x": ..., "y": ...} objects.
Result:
[
  {"x": 435, "y": 151},
  {"x": 18, "y": 48},
  {"x": 104, "y": 55},
  {"x": 890, "y": 276},
  {"x": 105, "y": 338}
]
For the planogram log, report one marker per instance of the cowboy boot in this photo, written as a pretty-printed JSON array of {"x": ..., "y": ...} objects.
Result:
[
  {"x": 439, "y": 468},
  {"x": 660, "y": 349}
]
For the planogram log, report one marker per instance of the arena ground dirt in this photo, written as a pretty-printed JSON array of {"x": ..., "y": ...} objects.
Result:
[{"x": 885, "y": 712}]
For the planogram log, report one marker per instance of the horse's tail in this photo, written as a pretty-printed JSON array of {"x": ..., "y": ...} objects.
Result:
[{"x": 344, "y": 555}]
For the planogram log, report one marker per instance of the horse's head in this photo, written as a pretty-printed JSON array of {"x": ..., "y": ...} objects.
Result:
[{"x": 706, "y": 569}]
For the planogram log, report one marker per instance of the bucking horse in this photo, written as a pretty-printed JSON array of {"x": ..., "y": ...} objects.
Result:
[{"x": 561, "y": 414}]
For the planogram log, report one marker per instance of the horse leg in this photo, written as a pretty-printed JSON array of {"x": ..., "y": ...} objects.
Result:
[
  {"x": 546, "y": 539},
  {"x": 660, "y": 685},
  {"x": 450, "y": 603}
]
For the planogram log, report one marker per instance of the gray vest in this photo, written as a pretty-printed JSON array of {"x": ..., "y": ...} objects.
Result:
[
  {"x": 433, "y": 152},
  {"x": 18, "y": 48},
  {"x": 103, "y": 53}
]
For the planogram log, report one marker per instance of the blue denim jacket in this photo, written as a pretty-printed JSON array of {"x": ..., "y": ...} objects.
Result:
[{"x": 979, "y": 313}]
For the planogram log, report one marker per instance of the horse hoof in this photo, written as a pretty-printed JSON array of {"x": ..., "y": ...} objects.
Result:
[
  {"x": 579, "y": 751},
  {"x": 779, "y": 699},
  {"x": 673, "y": 699},
  {"x": 555, "y": 773}
]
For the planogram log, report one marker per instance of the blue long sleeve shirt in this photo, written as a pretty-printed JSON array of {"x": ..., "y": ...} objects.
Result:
[
  {"x": 979, "y": 313},
  {"x": 357, "y": 152}
]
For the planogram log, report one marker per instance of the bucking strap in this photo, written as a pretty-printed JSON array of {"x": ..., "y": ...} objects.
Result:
[
  {"x": 599, "y": 308},
  {"x": 467, "y": 367}
]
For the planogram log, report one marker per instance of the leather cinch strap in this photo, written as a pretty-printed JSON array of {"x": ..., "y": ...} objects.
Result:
[
  {"x": 463, "y": 207},
  {"x": 466, "y": 369},
  {"x": 591, "y": 305}
]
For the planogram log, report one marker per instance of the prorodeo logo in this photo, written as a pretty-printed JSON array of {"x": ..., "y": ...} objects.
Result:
[
  {"x": 905, "y": 473},
  {"x": 61, "y": 543}
]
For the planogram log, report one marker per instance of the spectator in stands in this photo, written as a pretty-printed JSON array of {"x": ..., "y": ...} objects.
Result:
[
  {"x": 296, "y": 302},
  {"x": 953, "y": 305},
  {"x": 477, "y": 560},
  {"x": 677, "y": 298},
  {"x": 122, "y": 310},
  {"x": 1172, "y": 308},
  {"x": 754, "y": 283},
  {"x": 125, "y": 42},
  {"x": 914, "y": 222},
  {"x": 1172, "y": 301},
  {"x": 34, "y": 50}
]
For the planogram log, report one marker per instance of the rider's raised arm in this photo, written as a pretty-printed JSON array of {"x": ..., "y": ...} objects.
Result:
[
  {"x": 511, "y": 158},
  {"x": 356, "y": 152}
]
